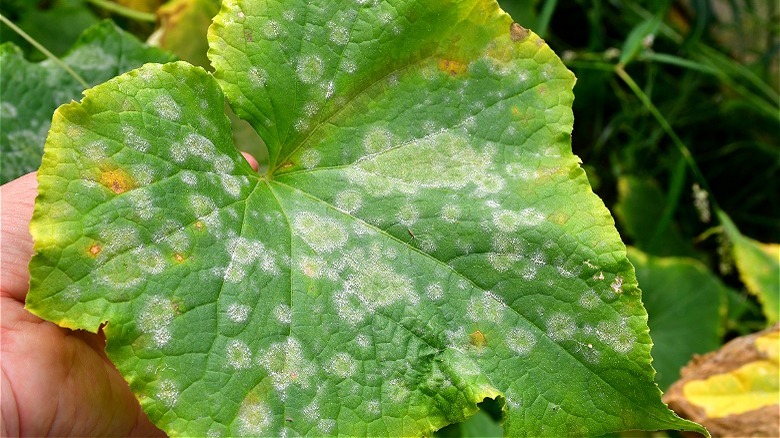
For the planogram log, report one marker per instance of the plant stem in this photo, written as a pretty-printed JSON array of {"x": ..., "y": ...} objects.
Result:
[
  {"x": 684, "y": 151},
  {"x": 124, "y": 11},
  {"x": 45, "y": 51}
]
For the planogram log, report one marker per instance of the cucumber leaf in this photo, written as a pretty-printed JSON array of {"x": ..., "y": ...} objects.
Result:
[{"x": 423, "y": 238}]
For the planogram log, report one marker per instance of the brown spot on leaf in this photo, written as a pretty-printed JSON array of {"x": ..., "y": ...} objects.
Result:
[
  {"x": 454, "y": 68},
  {"x": 199, "y": 225},
  {"x": 477, "y": 339},
  {"x": 117, "y": 180},
  {"x": 518, "y": 33},
  {"x": 178, "y": 257},
  {"x": 95, "y": 249}
]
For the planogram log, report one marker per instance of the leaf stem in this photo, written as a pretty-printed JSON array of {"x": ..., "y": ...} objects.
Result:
[
  {"x": 683, "y": 149},
  {"x": 124, "y": 11},
  {"x": 44, "y": 50}
]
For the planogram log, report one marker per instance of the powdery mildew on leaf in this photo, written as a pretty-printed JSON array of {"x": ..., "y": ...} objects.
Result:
[{"x": 423, "y": 239}]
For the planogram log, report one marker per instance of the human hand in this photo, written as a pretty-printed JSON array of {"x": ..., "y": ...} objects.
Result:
[{"x": 55, "y": 381}]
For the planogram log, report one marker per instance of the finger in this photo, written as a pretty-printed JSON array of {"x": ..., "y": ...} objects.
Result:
[
  {"x": 16, "y": 208},
  {"x": 251, "y": 160}
]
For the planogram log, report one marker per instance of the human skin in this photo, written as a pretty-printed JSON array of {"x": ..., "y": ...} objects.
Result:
[{"x": 54, "y": 381}]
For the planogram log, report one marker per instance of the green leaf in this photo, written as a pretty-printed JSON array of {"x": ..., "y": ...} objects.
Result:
[
  {"x": 759, "y": 267},
  {"x": 686, "y": 305},
  {"x": 640, "y": 211},
  {"x": 32, "y": 91},
  {"x": 423, "y": 238}
]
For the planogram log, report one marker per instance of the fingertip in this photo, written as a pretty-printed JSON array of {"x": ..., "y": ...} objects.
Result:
[{"x": 251, "y": 160}]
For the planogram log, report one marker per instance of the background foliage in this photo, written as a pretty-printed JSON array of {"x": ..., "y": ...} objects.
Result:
[{"x": 676, "y": 121}]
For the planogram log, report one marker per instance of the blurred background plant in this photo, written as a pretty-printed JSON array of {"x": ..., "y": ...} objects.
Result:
[{"x": 677, "y": 122}]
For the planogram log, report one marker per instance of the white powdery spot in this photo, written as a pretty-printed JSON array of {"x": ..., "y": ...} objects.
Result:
[
  {"x": 167, "y": 393},
  {"x": 363, "y": 341},
  {"x": 560, "y": 327},
  {"x": 238, "y": 312},
  {"x": 155, "y": 319},
  {"x": 312, "y": 267},
  {"x": 283, "y": 313},
  {"x": 310, "y": 158},
  {"x": 246, "y": 253},
  {"x": 257, "y": 77},
  {"x": 119, "y": 238},
  {"x": 377, "y": 285},
  {"x": 134, "y": 140},
  {"x": 310, "y": 69},
  {"x": 521, "y": 341},
  {"x": 451, "y": 213},
  {"x": 7, "y": 110},
  {"x": 342, "y": 365},
  {"x": 377, "y": 140},
  {"x": 271, "y": 29},
  {"x": 486, "y": 306},
  {"x": 166, "y": 107},
  {"x": 232, "y": 184},
  {"x": 397, "y": 391},
  {"x": 224, "y": 164},
  {"x": 435, "y": 292},
  {"x": 142, "y": 203},
  {"x": 238, "y": 355},
  {"x": 254, "y": 418},
  {"x": 286, "y": 365},
  {"x": 348, "y": 201},
  {"x": 150, "y": 260},
  {"x": 320, "y": 233},
  {"x": 506, "y": 220},
  {"x": 590, "y": 299},
  {"x": 617, "y": 336},
  {"x": 408, "y": 215},
  {"x": 201, "y": 205},
  {"x": 339, "y": 35}
]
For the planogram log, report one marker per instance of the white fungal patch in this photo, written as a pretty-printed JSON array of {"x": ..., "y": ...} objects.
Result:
[
  {"x": 133, "y": 140},
  {"x": 451, "y": 213},
  {"x": 310, "y": 69},
  {"x": 377, "y": 285},
  {"x": 339, "y": 35},
  {"x": 254, "y": 419},
  {"x": 348, "y": 66},
  {"x": 201, "y": 205},
  {"x": 486, "y": 307},
  {"x": 326, "y": 425},
  {"x": 224, "y": 164},
  {"x": 506, "y": 220},
  {"x": 616, "y": 335},
  {"x": 521, "y": 341},
  {"x": 238, "y": 355},
  {"x": 310, "y": 158},
  {"x": 408, "y": 215},
  {"x": 560, "y": 327},
  {"x": 489, "y": 183},
  {"x": 373, "y": 408},
  {"x": 150, "y": 260},
  {"x": 531, "y": 217},
  {"x": 166, "y": 107},
  {"x": 283, "y": 313},
  {"x": 232, "y": 185},
  {"x": 142, "y": 203},
  {"x": 397, "y": 391},
  {"x": 258, "y": 77},
  {"x": 286, "y": 365},
  {"x": 363, "y": 341},
  {"x": 118, "y": 238},
  {"x": 342, "y": 365},
  {"x": 590, "y": 299},
  {"x": 312, "y": 267},
  {"x": 155, "y": 319},
  {"x": 377, "y": 140},
  {"x": 348, "y": 201},
  {"x": 271, "y": 29},
  {"x": 238, "y": 312},
  {"x": 167, "y": 392},
  {"x": 502, "y": 262},
  {"x": 435, "y": 292},
  {"x": 323, "y": 235}
]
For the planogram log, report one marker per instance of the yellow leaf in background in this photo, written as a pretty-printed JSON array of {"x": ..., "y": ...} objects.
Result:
[{"x": 759, "y": 268}]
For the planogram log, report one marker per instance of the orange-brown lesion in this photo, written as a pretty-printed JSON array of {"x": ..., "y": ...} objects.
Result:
[
  {"x": 94, "y": 249},
  {"x": 454, "y": 68},
  {"x": 178, "y": 257},
  {"x": 117, "y": 180},
  {"x": 477, "y": 339}
]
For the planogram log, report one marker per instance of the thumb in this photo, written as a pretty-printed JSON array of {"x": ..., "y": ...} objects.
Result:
[{"x": 16, "y": 208}]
